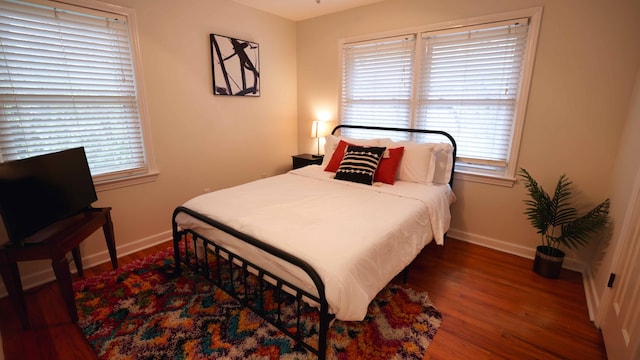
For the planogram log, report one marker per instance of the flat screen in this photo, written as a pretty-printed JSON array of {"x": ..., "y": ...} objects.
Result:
[{"x": 36, "y": 192}]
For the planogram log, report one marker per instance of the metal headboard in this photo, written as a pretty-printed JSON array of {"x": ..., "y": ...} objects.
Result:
[{"x": 423, "y": 131}]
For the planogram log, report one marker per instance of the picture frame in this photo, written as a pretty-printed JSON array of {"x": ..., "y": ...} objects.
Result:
[{"x": 235, "y": 66}]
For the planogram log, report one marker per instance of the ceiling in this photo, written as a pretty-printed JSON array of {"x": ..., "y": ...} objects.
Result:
[{"x": 297, "y": 10}]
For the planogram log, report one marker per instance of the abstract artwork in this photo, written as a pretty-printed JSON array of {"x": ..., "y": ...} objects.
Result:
[{"x": 236, "y": 66}]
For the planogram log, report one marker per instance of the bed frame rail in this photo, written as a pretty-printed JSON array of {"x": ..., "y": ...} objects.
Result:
[{"x": 228, "y": 266}]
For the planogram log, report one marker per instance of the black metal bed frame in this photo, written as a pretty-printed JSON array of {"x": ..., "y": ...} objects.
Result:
[{"x": 228, "y": 265}]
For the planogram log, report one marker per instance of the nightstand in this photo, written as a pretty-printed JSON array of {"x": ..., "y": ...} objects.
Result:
[{"x": 302, "y": 160}]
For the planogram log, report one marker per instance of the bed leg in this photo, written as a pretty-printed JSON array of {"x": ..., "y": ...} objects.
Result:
[
  {"x": 177, "y": 270},
  {"x": 325, "y": 319}
]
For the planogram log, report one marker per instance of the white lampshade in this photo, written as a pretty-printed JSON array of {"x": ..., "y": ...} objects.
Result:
[{"x": 319, "y": 129}]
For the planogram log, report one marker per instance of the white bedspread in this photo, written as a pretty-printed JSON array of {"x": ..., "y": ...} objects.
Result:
[{"x": 357, "y": 237}]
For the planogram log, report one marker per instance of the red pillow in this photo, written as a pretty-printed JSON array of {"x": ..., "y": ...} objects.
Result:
[
  {"x": 388, "y": 167},
  {"x": 337, "y": 156}
]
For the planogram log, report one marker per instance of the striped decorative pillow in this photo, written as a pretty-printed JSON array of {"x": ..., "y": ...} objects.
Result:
[{"x": 359, "y": 164}]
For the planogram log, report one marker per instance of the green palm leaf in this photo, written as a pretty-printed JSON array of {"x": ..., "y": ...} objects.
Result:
[
  {"x": 538, "y": 208},
  {"x": 577, "y": 232},
  {"x": 555, "y": 219},
  {"x": 561, "y": 210}
]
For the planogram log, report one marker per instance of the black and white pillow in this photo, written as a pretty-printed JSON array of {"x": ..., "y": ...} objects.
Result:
[{"x": 359, "y": 164}]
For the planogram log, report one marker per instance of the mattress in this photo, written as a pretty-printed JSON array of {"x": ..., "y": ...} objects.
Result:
[{"x": 357, "y": 237}]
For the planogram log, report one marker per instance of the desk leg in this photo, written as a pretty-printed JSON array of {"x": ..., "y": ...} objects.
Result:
[
  {"x": 77, "y": 259},
  {"x": 111, "y": 242},
  {"x": 63, "y": 276},
  {"x": 11, "y": 277}
]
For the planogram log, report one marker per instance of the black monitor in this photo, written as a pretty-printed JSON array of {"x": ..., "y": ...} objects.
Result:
[{"x": 38, "y": 191}]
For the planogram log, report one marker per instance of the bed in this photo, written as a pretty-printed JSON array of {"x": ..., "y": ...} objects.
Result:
[{"x": 328, "y": 239}]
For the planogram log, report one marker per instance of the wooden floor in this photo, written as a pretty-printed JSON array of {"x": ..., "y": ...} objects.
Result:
[{"x": 493, "y": 307}]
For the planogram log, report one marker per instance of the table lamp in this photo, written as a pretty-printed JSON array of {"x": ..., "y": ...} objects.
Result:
[{"x": 319, "y": 130}]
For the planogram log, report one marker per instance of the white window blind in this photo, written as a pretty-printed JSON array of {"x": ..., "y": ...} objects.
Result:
[
  {"x": 67, "y": 80},
  {"x": 470, "y": 82},
  {"x": 377, "y": 83}
]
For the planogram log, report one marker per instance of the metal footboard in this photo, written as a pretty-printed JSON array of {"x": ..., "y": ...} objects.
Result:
[{"x": 222, "y": 266}]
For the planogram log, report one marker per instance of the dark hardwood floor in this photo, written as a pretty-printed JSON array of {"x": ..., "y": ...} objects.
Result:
[{"x": 493, "y": 307}]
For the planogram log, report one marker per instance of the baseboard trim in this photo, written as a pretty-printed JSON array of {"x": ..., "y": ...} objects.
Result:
[
  {"x": 42, "y": 277},
  {"x": 569, "y": 263},
  {"x": 491, "y": 243},
  {"x": 593, "y": 300}
]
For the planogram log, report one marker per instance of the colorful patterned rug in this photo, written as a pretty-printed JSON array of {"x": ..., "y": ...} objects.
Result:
[{"x": 140, "y": 312}]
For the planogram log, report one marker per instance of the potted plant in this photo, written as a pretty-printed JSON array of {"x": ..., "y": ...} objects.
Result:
[{"x": 558, "y": 223}]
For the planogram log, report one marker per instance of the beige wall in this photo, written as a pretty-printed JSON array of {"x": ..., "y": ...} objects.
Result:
[
  {"x": 584, "y": 73},
  {"x": 626, "y": 173},
  {"x": 200, "y": 140}
]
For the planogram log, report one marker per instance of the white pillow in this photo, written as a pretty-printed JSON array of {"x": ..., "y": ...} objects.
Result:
[
  {"x": 424, "y": 163},
  {"x": 331, "y": 143},
  {"x": 443, "y": 162},
  {"x": 417, "y": 164}
]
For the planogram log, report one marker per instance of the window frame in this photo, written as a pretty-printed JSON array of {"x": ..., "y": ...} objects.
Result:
[
  {"x": 507, "y": 177},
  {"x": 149, "y": 173}
]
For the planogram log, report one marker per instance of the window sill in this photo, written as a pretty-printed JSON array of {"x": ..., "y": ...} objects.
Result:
[
  {"x": 128, "y": 181},
  {"x": 484, "y": 179}
]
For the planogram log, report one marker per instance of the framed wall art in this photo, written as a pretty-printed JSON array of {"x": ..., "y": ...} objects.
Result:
[{"x": 235, "y": 65}]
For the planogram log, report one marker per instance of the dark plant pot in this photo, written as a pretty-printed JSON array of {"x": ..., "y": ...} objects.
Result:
[{"x": 548, "y": 262}]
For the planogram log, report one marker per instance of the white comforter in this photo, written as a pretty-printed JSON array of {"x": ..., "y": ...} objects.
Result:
[{"x": 357, "y": 237}]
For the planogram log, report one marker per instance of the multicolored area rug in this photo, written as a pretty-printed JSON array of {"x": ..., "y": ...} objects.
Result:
[{"x": 140, "y": 312}]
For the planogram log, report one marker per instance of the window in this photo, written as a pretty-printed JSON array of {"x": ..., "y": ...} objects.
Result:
[
  {"x": 470, "y": 80},
  {"x": 68, "y": 79},
  {"x": 377, "y": 83}
]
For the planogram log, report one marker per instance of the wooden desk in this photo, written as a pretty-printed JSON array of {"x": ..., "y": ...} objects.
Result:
[{"x": 54, "y": 242}]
